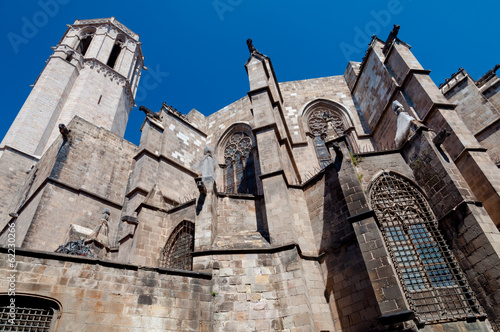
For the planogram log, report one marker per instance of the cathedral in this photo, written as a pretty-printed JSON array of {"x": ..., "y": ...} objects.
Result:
[{"x": 368, "y": 201}]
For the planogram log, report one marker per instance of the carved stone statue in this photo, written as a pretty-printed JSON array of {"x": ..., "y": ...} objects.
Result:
[
  {"x": 207, "y": 166},
  {"x": 101, "y": 232},
  {"x": 404, "y": 123}
]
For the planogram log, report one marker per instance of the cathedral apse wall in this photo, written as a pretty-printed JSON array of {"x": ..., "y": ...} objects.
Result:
[{"x": 305, "y": 216}]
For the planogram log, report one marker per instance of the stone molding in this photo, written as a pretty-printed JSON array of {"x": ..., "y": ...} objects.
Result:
[
  {"x": 106, "y": 71},
  {"x": 106, "y": 263},
  {"x": 111, "y": 20}
]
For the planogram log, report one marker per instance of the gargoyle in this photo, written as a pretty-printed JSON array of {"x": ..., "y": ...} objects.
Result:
[{"x": 149, "y": 112}]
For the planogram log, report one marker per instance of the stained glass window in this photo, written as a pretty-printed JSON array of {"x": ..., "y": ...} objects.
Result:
[
  {"x": 177, "y": 253},
  {"x": 433, "y": 281},
  {"x": 239, "y": 168}
]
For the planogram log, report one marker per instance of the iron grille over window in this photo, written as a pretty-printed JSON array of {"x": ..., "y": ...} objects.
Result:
[
  {"x": 239, "y": 172},
  {"x": 177, "y": 252},
  {"x": 31, "y": 314},
  {"x": 434, "y": 284}
]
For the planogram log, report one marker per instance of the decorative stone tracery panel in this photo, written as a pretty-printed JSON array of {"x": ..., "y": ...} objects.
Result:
[{"x": 239, "y": 167}]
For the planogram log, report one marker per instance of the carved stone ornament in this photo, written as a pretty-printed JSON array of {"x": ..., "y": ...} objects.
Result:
[
  {"x": 112, "y": 74},
  {"x": 207, "y": 166},
  {"x": 318, "y": 122},
  {"x": 238, "y": 146},
  {"x": 75, "y": 248},
  {"x": 404, "y": 123},
  {"x": 101, "y": 232}
]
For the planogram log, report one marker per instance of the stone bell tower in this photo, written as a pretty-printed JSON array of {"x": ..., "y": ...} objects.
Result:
[{"x": 93, "y": 73}]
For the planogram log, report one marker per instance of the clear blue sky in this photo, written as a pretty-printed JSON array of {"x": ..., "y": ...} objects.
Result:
[{"x": 199, "y": 45}]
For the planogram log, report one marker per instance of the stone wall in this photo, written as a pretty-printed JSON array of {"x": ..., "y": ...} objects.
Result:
[
  {"x": 73, "y": 182},
  {"x": 219, "y": 122},
  {"x": 373, "y": 89},
  {"x": 475, "y": 110},
  {"x": 269, "y": 292},
  {"x": 31, "y": 128},
  {"x": 478, "y": 107},
  {"x": 103, "y": 296},
  {"x": 13, "y": 168}
]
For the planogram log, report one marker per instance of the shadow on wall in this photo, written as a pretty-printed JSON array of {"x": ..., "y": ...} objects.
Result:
[{"x": 348, "y": 287}]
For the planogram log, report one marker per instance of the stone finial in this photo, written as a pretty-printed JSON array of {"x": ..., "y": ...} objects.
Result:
[
  {"x": 251, "y": 48},
  {"x": 390, "y": 39},
  {"x": 393, "y": 34}
]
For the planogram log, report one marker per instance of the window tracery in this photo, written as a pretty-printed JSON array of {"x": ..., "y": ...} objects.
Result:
[
  {"x": 239, "y": 168},
  {"x": 177, "y": 253},
  {"x": 318, "y": 126},
  {"x": 323, "y": 122},
  {"x": 85, "y": 40},
  {"x": 433, "y": 281},
  {"x": 319, "y": 119}
]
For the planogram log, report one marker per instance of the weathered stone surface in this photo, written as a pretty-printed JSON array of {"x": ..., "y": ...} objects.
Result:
[{"x": 308, "y": 250}]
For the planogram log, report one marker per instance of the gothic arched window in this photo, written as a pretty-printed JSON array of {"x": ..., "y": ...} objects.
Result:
[
  {"x": 318, "y": 126},
  {"x": 32, "y": 313},
  {"x": 177, "y": 253},
  {"x": 434, "y": 284},
  {"x": 85, "y": 40},
  {"x": 239, "y": 168}
]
